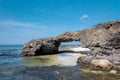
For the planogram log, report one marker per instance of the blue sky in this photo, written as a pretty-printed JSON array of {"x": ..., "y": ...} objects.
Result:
[{"x": 23, "y": 20}]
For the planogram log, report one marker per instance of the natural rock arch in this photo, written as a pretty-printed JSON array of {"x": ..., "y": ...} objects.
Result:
[
  {"x": 97, "y": 36},
  {"x": 48, "y": 45}
]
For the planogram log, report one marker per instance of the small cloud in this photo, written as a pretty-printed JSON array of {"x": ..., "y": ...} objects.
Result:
[{"x": 83, "y": 17}]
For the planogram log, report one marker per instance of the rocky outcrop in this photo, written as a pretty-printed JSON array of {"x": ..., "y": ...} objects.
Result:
[
  {"x": 103, "y": 40},
  {"x": 40, "y": 47},
  {"x": 104, "y": 43}
]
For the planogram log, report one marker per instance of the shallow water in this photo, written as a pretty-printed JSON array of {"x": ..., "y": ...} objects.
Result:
[
  {"x": 65, "y": 59},
  {"x": 48, "y": 67}
]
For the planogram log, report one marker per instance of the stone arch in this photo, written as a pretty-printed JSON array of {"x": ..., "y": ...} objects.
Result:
[
  {"x": 50, "y": 45},
  {"x": 67, "y": 46}
]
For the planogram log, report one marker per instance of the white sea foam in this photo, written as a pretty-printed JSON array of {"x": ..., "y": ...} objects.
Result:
[{"x": 77, "y": 49}]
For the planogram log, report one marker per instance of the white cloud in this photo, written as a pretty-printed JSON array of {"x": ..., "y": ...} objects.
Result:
[
  {"x": 83, "y": 17},
  {"x": 18, "y": 24}
]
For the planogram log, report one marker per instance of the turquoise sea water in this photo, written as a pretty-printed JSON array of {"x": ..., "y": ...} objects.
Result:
[{"x": 47, "y": 67}]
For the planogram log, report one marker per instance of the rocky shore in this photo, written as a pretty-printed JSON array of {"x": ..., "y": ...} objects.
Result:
[
  {"x": 103, "y": 40},
  {"x": 104, "y": 47}
]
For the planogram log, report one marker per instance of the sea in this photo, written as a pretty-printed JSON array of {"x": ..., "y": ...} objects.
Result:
[{"x": 46, "y": 67}]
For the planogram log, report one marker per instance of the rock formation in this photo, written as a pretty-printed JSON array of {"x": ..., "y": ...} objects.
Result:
[
  {"x": 103, "y": 40},
  {"x": 41, "y": 47},
  {"x": 49, "y": 45}
]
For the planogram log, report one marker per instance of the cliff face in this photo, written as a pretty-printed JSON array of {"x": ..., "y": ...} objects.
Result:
[{"x": 103, "y": 40}]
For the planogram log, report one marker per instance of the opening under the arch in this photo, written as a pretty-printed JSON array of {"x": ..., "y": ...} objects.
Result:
[
  {"x": 73, "y": 43},
  {"x": 74, "y": 46}
]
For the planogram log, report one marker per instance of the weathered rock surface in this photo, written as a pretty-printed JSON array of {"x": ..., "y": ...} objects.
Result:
[
  {"x": 103, "y": 40},
  {"x": 40, "y": 47},
  {"x": 104, "y": 43}
]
